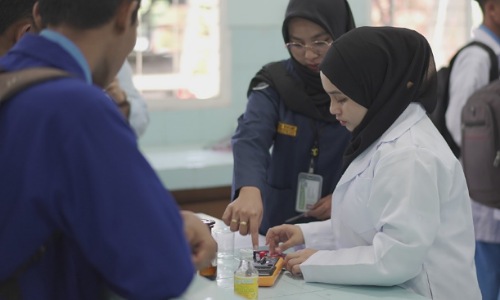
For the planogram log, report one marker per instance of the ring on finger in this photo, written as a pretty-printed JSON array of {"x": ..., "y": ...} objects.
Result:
[
  {"x": 243, "y": 223},
  {"x": 234, "y": 221}
]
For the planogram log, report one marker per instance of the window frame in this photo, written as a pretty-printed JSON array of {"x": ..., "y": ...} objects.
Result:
[{"x": 222, "y": 99}]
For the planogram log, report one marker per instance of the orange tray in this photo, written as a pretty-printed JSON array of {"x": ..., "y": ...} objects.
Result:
[{"x": 269, "y": 280}]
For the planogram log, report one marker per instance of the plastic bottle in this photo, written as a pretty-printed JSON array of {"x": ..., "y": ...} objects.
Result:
[
  {"x": 209, "y": 272},
  {"x": 246, "y": 277}
]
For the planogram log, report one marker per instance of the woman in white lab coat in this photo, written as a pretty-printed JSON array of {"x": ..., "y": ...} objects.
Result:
[{"x": 401, "y": 212}]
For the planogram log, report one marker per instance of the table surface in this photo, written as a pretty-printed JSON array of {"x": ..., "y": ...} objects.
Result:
[
  {"x": 191, "y": 166},
  {"x": 293, "y": 288}
]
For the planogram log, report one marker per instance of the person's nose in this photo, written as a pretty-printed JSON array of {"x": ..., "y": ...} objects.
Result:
[
  {"x": 334, "y": 107},
  {"x": 310, "y": 53}
]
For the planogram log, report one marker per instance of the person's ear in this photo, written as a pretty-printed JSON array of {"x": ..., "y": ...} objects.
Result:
[
  {"x": 21, "y": 30},
  {"x": 37, "y": 19},
  {"x": 13, "y": 34},
  {"x": 127, "y": 13}
]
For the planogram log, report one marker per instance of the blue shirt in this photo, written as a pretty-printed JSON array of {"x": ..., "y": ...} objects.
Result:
[
  {"x": 268, "y": 123},
  {"x": 70, "y": 164}
]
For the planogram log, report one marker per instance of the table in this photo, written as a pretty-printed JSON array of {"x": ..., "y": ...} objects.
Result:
[
  {"x": 290, "y": 287},
  {"x": 182, "y": 167}
]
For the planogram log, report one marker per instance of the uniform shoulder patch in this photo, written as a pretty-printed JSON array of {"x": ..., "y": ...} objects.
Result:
[
  {"x": 287, "y": 129},
  {"x": 260, "y": 86}
]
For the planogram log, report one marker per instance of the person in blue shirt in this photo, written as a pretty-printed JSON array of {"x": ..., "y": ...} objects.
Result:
[
  {"x": 16, "y": 19},
  {"x": 287, "y": 112},
  {"x": 81, "y": 210}
]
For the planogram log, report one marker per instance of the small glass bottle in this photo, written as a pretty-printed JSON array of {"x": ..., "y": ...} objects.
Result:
[
  {"x": 246, "y": 277},
  {"x": 209, "y": 272}
]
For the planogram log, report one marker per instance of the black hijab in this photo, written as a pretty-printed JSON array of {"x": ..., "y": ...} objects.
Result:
[
  {"x": 335, "y": 17},
  {"x": 383, "y": 69}
]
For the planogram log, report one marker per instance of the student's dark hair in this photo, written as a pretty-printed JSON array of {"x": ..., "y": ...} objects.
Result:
[
  {"x": 80, "y": 14},
  {"x": 12, "y": 11}
]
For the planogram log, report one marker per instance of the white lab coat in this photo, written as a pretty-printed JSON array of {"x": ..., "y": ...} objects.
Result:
[{"x": 401, "y": 215}]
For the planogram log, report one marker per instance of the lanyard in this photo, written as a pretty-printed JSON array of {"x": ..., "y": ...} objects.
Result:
[
  {"x": 314, "y": 154},
  {"x": 315, "y": 147}
]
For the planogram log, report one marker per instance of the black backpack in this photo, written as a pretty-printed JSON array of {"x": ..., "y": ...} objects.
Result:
[
  {"x": 438, "y": 116},
  {"x": 481, "y": 144}
]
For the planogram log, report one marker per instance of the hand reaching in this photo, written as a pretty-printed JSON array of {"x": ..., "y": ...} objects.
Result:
[
  {"x": 119, "y": 96},
  {"x": 203, "y": 246},
  {"x": 293, "y": 260},
  {"x": 244, "y": 214},
  {"x": 280, "y": 238},
  {"x": 322, "y": 209}
]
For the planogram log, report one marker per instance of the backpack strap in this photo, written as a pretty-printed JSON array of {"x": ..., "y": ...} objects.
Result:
[
  {"x": 493, "y": 66},
  {"x": 491, "y": 54},
  {"x": 439, "y": 114},
  {"x": 12, "y": 82}
]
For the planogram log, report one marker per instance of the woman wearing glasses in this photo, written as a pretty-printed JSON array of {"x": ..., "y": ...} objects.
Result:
[{"x": 287, "y": 147}]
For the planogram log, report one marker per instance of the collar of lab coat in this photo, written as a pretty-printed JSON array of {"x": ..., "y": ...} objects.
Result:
[{"x": 413, "y": 114}]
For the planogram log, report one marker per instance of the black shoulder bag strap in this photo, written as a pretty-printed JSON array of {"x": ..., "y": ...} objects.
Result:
[
  {"x": 491, "y": 54},
  {"x": 493, "y": 65},
  {"x": 493, "y": 75},
  {"x": 12, "y": 83}
]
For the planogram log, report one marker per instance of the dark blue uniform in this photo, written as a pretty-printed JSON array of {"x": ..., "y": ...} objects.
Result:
[
  {"x": 272, "y": 145},
  {"x": 70, "y": 165}
]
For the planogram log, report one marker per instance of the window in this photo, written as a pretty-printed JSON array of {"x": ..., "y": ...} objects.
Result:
[
  {"x": 176, "y": 60},
  {"x": 445, "y": 23}
]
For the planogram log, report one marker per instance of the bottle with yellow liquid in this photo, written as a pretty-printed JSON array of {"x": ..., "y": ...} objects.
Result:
[{"x": 246, "y": 277}]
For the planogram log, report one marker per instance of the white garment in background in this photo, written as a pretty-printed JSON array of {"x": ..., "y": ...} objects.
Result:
[
  {"x": 401, "y": 215},
  {"x": 139, "y": 116},
  {"x": 470, "y": 72}
]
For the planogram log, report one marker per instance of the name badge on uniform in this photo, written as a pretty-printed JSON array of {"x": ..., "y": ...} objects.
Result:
[
  {"x": 287, "y": 129},
  {"x": 308, "y": 191}
]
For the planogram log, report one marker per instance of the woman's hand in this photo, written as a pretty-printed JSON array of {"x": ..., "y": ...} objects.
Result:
[
  {"x": 203, "y": 246},
  {"x": 119, "y": 97},
  {"x": 283, "y": 237},
  {"x": 244, "y": 214},
  {"x": 293, "y": 260},
  {"x": 322, "y": 210}
]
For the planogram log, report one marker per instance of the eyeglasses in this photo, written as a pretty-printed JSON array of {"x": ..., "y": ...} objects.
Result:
[{"x": 318, "y": 47}]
